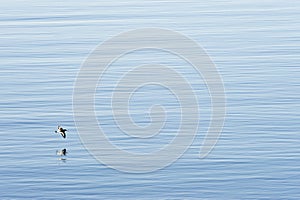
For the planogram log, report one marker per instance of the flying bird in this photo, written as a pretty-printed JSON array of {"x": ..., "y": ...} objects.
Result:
[{"x": 62, "y": 131}]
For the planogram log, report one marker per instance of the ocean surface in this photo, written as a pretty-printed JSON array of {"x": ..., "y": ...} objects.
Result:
[{"x": 255, "y": 46}]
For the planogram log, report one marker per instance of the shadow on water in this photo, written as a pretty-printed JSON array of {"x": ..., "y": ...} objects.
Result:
[{"x": 63, "y": 154}]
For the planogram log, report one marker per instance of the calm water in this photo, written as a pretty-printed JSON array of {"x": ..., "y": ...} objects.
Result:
[{"x": 255, "y": 46}]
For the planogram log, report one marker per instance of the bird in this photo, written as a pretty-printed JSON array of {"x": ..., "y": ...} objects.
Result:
[
  {"x": 62, "y": 152},
  {"x": 62, "y": 131}
]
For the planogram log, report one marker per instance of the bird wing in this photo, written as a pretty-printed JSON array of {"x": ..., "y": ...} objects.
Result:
[{"x": 63, "y": 134}]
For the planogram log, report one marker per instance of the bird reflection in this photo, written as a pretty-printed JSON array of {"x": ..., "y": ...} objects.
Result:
[{"x": 62, "y": 152}]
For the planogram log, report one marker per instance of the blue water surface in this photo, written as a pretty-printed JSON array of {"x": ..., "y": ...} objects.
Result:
[{"x": 255, "y": 46}]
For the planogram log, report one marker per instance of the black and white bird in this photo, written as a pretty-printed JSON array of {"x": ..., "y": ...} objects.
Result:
[{"x": 62, "y": 131}]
